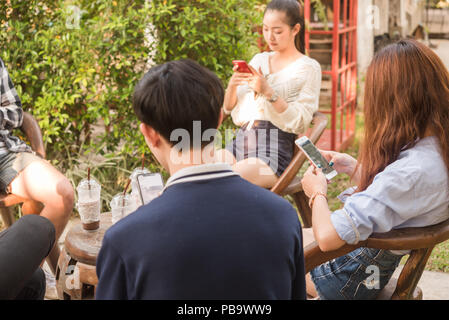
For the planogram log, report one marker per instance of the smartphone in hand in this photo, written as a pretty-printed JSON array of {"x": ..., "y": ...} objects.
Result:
[
  {"x": 242, "y": 66},
  {"x": 150, "y": 186},
  {"x": 314, "y": 155}
]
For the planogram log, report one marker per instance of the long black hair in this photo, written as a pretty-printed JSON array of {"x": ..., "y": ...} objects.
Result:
[{"x": 294, "y": 12}]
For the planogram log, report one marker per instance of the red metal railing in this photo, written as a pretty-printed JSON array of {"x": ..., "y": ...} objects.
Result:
[{"x": 343, "y": 70}]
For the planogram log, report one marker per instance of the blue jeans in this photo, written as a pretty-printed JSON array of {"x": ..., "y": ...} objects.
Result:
[{"x": 359, "y": 275}]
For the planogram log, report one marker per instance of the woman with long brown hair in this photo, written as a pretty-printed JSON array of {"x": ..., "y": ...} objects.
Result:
[{"x": 401, "y": 174}]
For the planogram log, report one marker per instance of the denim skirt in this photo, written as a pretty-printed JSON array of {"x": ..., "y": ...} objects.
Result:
[
  {"x": 359, "y": 275},
  {"x": 266, "y": 142}
]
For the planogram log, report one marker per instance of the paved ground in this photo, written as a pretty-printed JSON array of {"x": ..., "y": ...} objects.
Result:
[{"x": 435, "y": 285}]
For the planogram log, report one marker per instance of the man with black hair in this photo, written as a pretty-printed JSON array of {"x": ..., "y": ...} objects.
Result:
[{"x": 210, "y": 234}]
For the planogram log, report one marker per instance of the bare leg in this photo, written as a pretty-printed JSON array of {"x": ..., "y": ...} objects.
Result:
[
  {"x": 253, "y": 170},
  {"x": 308, "y": 238},
  {"x": 41, "y": 182},
  {"x": 257, "y": 172},
  {"x": 310, "y": 286}
]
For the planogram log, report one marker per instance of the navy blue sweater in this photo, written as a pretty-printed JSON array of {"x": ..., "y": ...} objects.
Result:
[{"x": 213, "y": 239}]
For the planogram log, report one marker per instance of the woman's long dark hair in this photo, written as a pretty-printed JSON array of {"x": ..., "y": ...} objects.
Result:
[
  {"x": 406, "y": 95},
  {"x": 294, "y": 13}
]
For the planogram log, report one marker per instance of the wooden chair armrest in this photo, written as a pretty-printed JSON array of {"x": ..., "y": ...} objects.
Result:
[
  {"x": 399, "y": 239},
  {"x": 313, "y": 256},
  {"x": 289, "y": 174},
  {"x": 294, "y": 187},
  {"x": 319, "y": 124},
  {"x": 410, "y": 238},
  {"x": 32, "y": 131}
]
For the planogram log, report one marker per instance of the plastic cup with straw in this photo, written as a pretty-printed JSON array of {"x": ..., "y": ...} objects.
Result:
[
  {"x": 122, "y": 204},
  {"x": 134, "y": 184},
  {"x": 89, "y": 202}
]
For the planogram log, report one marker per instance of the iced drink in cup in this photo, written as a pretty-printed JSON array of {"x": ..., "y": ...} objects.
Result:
[
  {"x": 121, "y": 206},
  {"x": 89, "y": 203},
  {"x": 134, "y": 185}
]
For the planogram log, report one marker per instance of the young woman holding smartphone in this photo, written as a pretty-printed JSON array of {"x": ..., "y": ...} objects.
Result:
[
  {"x": 275, "y": 102},
  {"x": 401, "y": 174}
]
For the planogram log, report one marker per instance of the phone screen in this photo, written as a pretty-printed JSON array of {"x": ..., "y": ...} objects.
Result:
[
  {"x": 316, "y": 157},
  {"x": 150, "y": 186}
]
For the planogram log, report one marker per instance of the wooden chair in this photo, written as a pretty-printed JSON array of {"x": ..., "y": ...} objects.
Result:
[
  {"x": 420, "y": 241},
  {"x": 30, "y": 128},
  {"x": 289, "y": 183}
]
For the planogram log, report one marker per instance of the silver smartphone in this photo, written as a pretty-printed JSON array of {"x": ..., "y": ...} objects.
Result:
[
  {"x": 150, "y": 186},
  {"x": 314, "y": 155}
]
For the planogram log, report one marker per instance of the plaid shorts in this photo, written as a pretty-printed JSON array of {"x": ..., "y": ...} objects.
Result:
[{"x": 11, "y": 164}]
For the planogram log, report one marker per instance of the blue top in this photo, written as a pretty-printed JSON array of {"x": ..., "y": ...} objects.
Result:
[
  {"x": 210, "y": 235},
  {"x": 413, "y": 191}
]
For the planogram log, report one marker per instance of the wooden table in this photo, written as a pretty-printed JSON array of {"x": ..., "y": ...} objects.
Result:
[{"x": 76, "y": 277}]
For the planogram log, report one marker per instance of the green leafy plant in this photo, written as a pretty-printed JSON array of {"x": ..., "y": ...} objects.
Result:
[
  {"x": 210, "y": 32},
  {"x": 75, "y": 64}
]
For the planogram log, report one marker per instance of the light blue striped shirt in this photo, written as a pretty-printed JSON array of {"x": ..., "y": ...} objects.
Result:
[{"x": 413, "y": 191}]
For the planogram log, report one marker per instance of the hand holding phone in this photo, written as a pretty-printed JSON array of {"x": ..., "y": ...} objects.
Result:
[
  {"x": 314, "y": 155},
  {"x": 150, "y": 186},
  {"x": 242, "y": 66},
  {"x": 342, "y": 162}
]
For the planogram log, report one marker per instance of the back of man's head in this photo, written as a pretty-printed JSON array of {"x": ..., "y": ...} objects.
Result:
[{"x": 173, "y": 95}]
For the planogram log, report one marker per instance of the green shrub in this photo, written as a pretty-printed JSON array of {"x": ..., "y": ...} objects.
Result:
[
  {"x": 73, "y": 74},
  {"x": 210, "y": 32},
  {"x": 75, "y": 64}
]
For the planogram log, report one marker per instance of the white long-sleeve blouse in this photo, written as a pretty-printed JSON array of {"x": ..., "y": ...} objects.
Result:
[{"x": 298, "y": 84}]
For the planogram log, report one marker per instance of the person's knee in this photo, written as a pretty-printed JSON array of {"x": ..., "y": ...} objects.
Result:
[
  {"x": 67, "y": 195},
  {"x": 40, "y": 229},
  {"x": 256, "y": 172},
  {"x": 41, "y": 226}
]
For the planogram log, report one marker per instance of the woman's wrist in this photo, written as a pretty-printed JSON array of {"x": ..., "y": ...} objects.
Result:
[
  {"x": 315, "y": 195},
  {"x": 355, "y": 175},
  {"x": 230, "y": 100},
  {"x": 268, "y": 93},
  {"x": 353, "y": 171}
]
